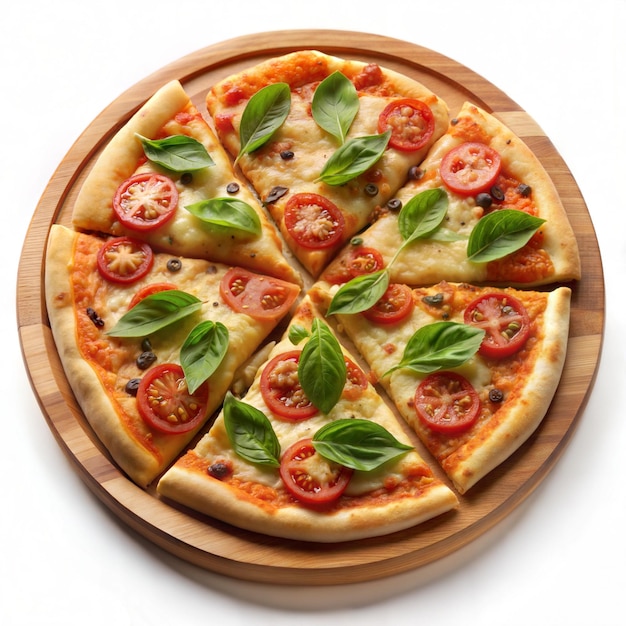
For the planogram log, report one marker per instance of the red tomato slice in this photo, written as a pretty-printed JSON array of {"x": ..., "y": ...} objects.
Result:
[
  {"x": 145, "y": 201},
  {"x": 124, "y": 260},
  {"x": 364, "y": 260},
  {"x": 313, "y": 221},
  {"x": 395, "y": 305},
  {"x": 505, "y": 321},
  {"x": 309, "y": 477},
  {"x": 356, "y": 381},
  {"x": 411, "y": 122},
  {"x": 281, "y": 390},
  {"x": 260, "y": 297},
  {"x": 447, "y": 403},
  {"x": 165, "y": 404},
  {"x": 148, "y": 290},
  {"x": 470, "y": 168}
]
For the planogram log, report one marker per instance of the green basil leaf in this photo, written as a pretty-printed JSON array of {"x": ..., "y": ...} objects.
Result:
[
  {"x": 250, "y": 432},
  {"x": 227, "y": 213},
  {"x": 441, "y": 345},
  {"x": 322, "y": 368},
  {"x": 358, "y": 444},
  {"x": 264, "y": 114},
  {"x": 155, "y": 312},
  {"x": 335, "y": 105},
  {"x": 354, "y": 157},
  {"x": 500, "y": 233},
  {"x": 298, "y": 334},
  {"x": 177, "y": 153},
  {"x": 423, "y": 214},
  {"x": 360, "y": 293},
  {"x": 203, "y": 351}
]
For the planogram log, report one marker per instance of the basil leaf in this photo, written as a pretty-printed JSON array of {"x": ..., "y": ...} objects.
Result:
[
  {"x": 441, "y": 345},
  {"x": 335, "y": 105},
  {"x": 177, "y": 153},
  {"x": 297, "y": 334},
  {"x": 155, "y": 312},
  {"x": 322, "y": 368},
  {"x": 250, "y": 432},
  {"x": 264, "y": 114},
  {"x": 203, "y": 351},
  {"x": 423, "y": 214},
  {"x": 360, "y": 293},
  {"x": 228, "y": 213},
  {"x": 358, "y": 444},
  {"x": 500, "y": 233},
  {"x": 353, "y": 158}
]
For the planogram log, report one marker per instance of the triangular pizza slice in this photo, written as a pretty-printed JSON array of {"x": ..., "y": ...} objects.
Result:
[
  {"x": 164, "y": 178},
  {"x": 480, "y": 208},
  {"x": 150, "y": 342},
  {"x": 325, "y": 142},
  {"x": 310, "y": 453},
  {"x": 471, "y": 369}
]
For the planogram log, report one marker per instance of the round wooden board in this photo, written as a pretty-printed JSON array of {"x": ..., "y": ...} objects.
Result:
[{"x": 223, "y": 549}]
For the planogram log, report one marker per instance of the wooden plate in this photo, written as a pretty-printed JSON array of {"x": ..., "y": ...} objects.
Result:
[{"x": 219, "y": 547}]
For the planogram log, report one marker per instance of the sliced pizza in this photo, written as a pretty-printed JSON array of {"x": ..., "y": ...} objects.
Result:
[
  {"x": 164, "y": 178},
  {"x": 480, "y": 208},
  {"x": 471, "y": 369},
  {"x": 310, "y": 453},
  {"x": 150, "y": 342},
  {"x": 324, "y": 141}
]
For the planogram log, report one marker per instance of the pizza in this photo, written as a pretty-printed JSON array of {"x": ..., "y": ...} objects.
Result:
[
  {"x": 349, "y": 133},
  {"x": 471, "y": 369},
  {"x": 273, "y": 461},
  {"x": 151, "y": 342},
  {"x": 322, "y": 309}
]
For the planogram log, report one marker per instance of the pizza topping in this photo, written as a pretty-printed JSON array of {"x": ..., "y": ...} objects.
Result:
[
  {"x": 394, "y": 306},
  {"x": 447, "y": 403},
  {"x": 371, "y": 189},
  {"x": 334, "y": 105},
  {"x": 484, "y": 200},
  {"x": 275, "y": 194},
  {"x": 149, "y": 290},
  {"x": 124, "y": 260},
  {"x": 313, "y": 221},
  {"x": 505, "y": 321},
  {"x": 178, "y": 153},
  {"x": 220, "y": 470},
  {"x": 281, "y": 388},
  {"x": 496, "y": 395},
  {"x": 229, "y": 213},
  {"x": 165, "y": 403},
  {"x": 356, "y": 381},
  {"x": 264, "y": 114},
  {"x": 260, "y": 297},
  {"x": 145, "y": 201},
  {"x": 174, "y": 265},
  {"x": 524, "y": 190},
  {"x": 411, "y": 122},
  {"x": 394, "y": 204},
  {"x": 146, "y": 359},
  {"x": 309, "y": 477},
  {"x": 132, "y": 386},
  {"x": 232, "y": 188},
  {"x": 470, "y": 168}
]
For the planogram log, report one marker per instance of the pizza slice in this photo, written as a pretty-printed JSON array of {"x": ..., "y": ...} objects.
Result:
[
  {"x": 311, "y": 452},
  {"x": 164, "y": 178},
  {"x": 480, "y": 208},
  {"x": 471, "y": 369},
  {"x": 150, "y": 342},
  {"x": 324, "y": 141}
]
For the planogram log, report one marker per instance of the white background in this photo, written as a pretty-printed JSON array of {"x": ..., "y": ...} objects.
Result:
[{"x": 558, "y": 559}]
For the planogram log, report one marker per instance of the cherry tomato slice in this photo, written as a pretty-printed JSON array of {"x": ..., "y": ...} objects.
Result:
[
  {"x": 145, "y": 201},
  {"x": 148, "y": 290},
  {"x": 124, "y": 260},
  {"x": 281, "y": 390},
  {"x": 411, "y": 122},
  {"x": 364, "y": 260},
  {"x": 164, "y": 402},
  {"x": 309, "y": 477},
  {"x": 447, "y": 403},
  {"x": 356, "y": 381},
  {"x": 395, "y": 305},
  {"x": 470, "y": 168},
  {"x": 505, "y": 321},
  {"x": 313, "y": 221},
  {"x": 260, "y": 297}
]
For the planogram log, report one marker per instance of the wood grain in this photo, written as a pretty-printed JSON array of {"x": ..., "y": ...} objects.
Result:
[{"x": 219, "y": 547}]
